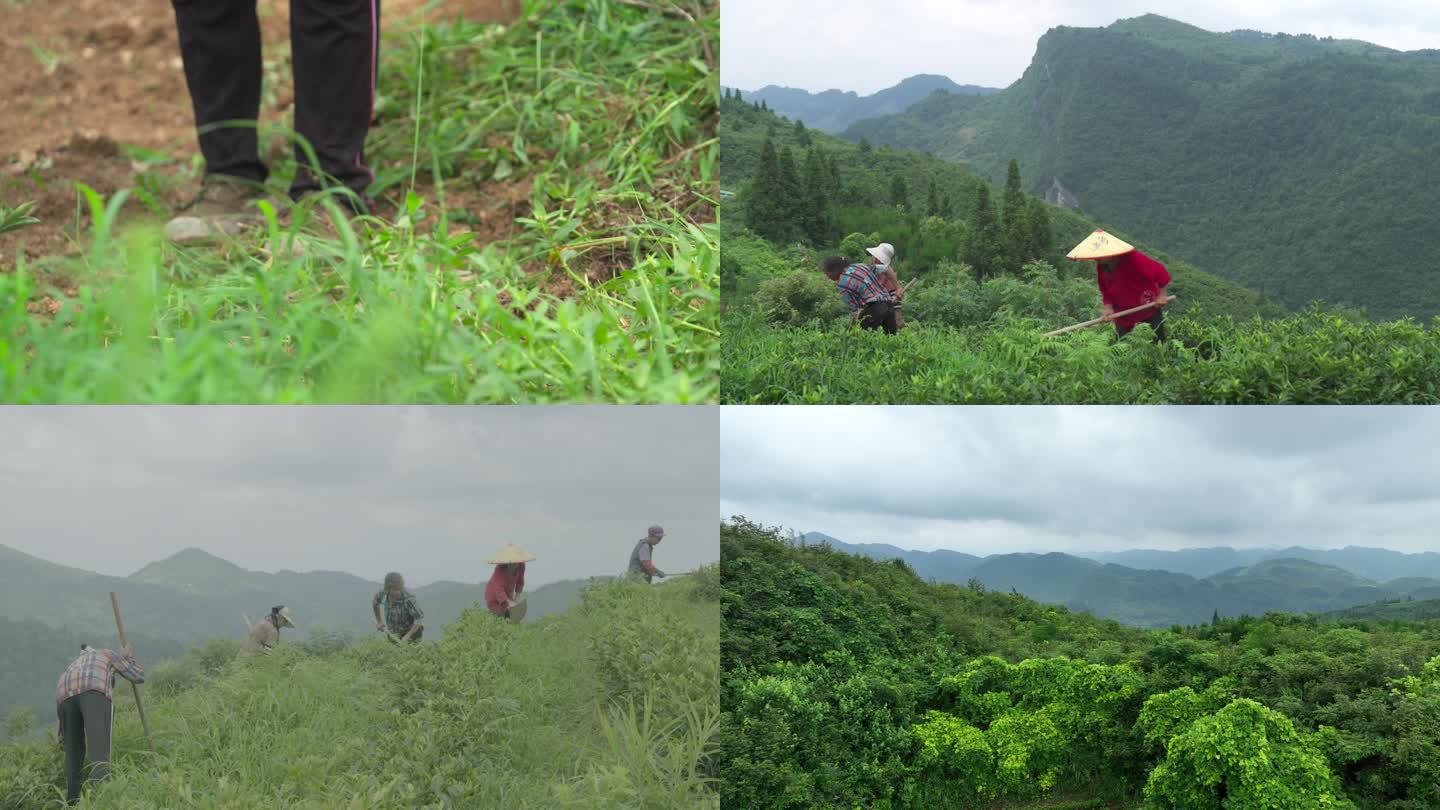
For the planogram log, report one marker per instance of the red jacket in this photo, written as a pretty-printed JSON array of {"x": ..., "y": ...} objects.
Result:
[
  {"x": 1136, "y": 280},
  {"x": 503, "y": 587}
]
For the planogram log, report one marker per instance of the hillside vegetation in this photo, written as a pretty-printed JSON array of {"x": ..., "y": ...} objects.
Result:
[
  {"x": 851, "y": 683},
  {"x": 1158, "y": 597},
  {"x": 612, "y": 704},
  {"x": 1293, "y": 165},
  {"x": 990, "y": 282}
]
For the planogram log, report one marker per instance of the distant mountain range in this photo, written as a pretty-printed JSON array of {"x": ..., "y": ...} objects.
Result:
[
  {"x": 834, "y": 110},
  {"x": 1298, "y": 154},
  {"x": 1183, "y": 587},
  {"x": 194, "y": 595}
]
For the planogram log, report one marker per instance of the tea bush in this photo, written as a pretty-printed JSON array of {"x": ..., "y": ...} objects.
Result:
[
  {"x": 495, "y": 714},
  {"x": 1314, "y": 357}
]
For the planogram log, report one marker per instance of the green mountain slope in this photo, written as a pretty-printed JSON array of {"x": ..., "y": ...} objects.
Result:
[
  {"x": 866, "y": 178},
  {"x": 193, "y": 595},
  {"x": 609, "y": 705},
  {"x": 1156, "y": 598},
  {"x": 834, "y": 110},
  {"x": 850, "y": 682},
  {"x": 1299, "y": 167}
]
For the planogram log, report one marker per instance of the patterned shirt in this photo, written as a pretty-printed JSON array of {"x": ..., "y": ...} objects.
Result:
[
  {"x": 400, "y": 615},
  {"x": 95, "y": 671},
  {"x": 860, "y": 286}
]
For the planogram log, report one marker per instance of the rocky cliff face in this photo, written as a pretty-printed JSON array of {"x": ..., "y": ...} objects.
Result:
[{"x": 1058, "y": 194}]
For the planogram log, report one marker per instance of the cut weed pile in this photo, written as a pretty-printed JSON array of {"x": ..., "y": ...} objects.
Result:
[
  {"x": 613, "y": 704},
  {"x": 548, "y": 236}
]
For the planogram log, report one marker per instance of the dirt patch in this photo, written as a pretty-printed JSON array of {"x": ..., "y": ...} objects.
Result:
[{"x": 88, "y": 81}]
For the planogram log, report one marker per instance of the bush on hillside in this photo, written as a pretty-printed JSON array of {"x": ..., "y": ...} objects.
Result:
[{"x": 799, "y": 298}]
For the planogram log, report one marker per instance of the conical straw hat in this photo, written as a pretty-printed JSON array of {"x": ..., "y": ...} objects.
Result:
[
  {"x": 1099, "y": 245},
  {"x": 511, "y": 553}
]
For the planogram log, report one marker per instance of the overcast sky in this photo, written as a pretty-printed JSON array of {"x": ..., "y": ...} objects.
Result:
[
  {"x": 996, "y": 480},
  {"x": 865, "y": 46},
  {"x": 431, "y": 492}
]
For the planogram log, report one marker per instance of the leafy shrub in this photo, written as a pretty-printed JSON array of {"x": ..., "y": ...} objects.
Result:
[
  {"x": 705, "y": 583},
  {"x": 798, "y": 298}
]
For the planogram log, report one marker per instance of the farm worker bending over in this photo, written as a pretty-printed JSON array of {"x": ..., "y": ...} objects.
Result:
[
  {"x": 640, "y": 563},
  {"x": 502, "y": 594},
  {"x": 402, "y": 615},
  {"x": 334, "y": 46},
  {"x": 867, "y": 289},
  {"x": 85, "y": 713},
  {"x": 265, "y": 634},
  {"x": 1127, "y": 279}
]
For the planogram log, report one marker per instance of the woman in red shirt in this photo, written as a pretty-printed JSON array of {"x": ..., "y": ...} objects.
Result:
[
  {"x": 1127, "y": 279},
  {"x": 508, "y": 580}
]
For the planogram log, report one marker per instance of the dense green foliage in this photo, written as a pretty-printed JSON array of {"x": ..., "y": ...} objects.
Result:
[
  {"x": 1311, "y": 358},
  {"x": 585, "y": 131},
  {"x": 977, "y": 329},
  {"x": 850, "y": 682},
  {"x": 1299, "y": 155},
  {"x": 611, "y": 705}
]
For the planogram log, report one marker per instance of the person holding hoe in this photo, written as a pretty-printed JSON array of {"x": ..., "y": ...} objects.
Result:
[
  {"x": 641, "y": 564},
  {"x": 870, "y": 289},
  {"x": 85, "y": 711},
  {"x": 403, "y": 617},
  {"x": 265, "y": 634},
  {"x": 507, "y": 582},
  {"x": 1128, "y": 279}
]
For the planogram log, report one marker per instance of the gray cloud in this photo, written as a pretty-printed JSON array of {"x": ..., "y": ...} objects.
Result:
[
  {"x": 430, "y": 491},
  {"x": 989, "y": 480},
  {"x": 865, "y": 46}
]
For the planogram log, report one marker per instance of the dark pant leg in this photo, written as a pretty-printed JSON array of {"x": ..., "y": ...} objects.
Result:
[
  {"x": 72, "y": 740},
  {"x": 336, "y": 50},
  {"x": 220, "y": 46},
  {"x": 879, "y": 315},
  {"x": 1156, "y": 321},
  {"x": 98, "y": 712}
]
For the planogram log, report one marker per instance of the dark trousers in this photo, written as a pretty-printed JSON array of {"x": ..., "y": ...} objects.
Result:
[
  {"x": 84, "y": 728},
  {"x": 335, "y": 50},
  {"x": 1156, "y": 321},
  {"x": 879, "y": 315}
]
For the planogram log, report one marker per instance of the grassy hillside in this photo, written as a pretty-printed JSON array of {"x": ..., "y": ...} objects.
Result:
[
  {"x": 851, "y": 683},
  {"x": 834, "y": 110},
  {"x": 548, "y": 192},
  {"x": 1299, "y": 155},
  {"x": 612, "y": 704}
]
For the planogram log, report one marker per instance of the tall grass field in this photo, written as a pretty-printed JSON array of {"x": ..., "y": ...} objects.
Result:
[
  {"x": 612, "y": 704},
  {"x": 585, "y": 134}
]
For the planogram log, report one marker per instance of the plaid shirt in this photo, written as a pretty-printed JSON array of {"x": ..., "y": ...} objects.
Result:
[
  {"x": 95, "y": 671},
  {"x": 399, "y": 616},
  {"x": 860, "y": 286}
]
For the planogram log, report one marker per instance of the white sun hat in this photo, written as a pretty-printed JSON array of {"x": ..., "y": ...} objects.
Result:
[{"x": 883, "y": 252}]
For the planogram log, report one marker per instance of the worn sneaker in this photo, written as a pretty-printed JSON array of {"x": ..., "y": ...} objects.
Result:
[{"x": 222, "y": 208}]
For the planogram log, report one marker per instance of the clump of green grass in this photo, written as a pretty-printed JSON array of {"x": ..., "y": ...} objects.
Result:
[
  {"x": 601, "y": 287},
  {"x": 493, "y": 715}
]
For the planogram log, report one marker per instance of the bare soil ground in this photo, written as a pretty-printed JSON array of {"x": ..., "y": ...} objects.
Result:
[{"x": 92, "y": 90}]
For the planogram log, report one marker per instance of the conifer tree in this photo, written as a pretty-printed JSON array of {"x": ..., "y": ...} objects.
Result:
[{"x": 1014, "y": 219}]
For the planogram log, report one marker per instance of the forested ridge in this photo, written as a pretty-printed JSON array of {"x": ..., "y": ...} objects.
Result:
[
  {"x": 849, "y": 682},
  {"x": 1297, "y": 166},
  {"x": 989, "y": 281}
]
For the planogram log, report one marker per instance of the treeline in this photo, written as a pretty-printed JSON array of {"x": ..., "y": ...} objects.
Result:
[
  {"x": 849, "y": 682},
  {"x": 797, "y": 195}
]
